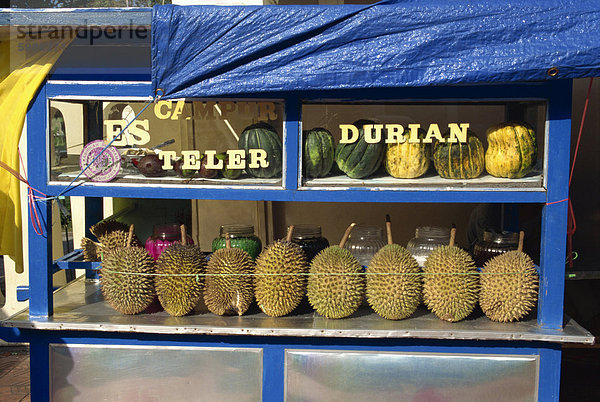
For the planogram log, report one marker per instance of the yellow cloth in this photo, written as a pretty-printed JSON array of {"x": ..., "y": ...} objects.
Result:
[{"x": 24, "y": 65}]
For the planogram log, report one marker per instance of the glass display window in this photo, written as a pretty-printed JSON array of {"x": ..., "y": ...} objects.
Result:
[
  {"x": 425, "y": 144},
  {"x": 200, "y": 142}
]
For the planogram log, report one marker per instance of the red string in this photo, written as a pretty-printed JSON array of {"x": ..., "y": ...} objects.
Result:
[
  {"x": 556, "y": 202},
  {"x": 36, "y": 222},
  {"x": 571, "y": 223}
]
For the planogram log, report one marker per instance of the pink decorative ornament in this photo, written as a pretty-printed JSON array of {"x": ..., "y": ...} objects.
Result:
[{"x": 105, "y": 167}]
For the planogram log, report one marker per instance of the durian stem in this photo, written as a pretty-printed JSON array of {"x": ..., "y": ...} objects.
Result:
[
  {"x": 347, "y": 234},
  {"x": 290, "y": 233},
  {"x": 452, "y": 237},
  {"x": 388, "y": 229},
  {"x": 183, "y": 235},
  {"x": 130, "y": 236},
  {"x": 227, "y": 241},
  {"x": 521, "y": 239}
]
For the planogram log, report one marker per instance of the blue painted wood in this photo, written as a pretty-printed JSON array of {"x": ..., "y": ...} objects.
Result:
[
  {"x": 107, "y": 89},
  {"x": 549, "y": 383},
  {"x": 554, "y": 214},
  {"x": 9, "y": 334},
  {"x": 273, "y": 373},
  {"x": 278, "y": 194},
  {"x": 78, "y": 265},
  {"x": 524, "y": 91},
  {"x": 22, "y": 293},
  {"x": 40, "y": 246},
  {"x": 292, "y": 143},
  {"x": 93, "y": 214},
  {"x": 39, "y": 370}
]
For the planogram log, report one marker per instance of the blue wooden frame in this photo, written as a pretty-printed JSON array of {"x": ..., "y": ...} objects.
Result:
[
  {"x": 553, "y": 247},
  {"x": 553, "y": 243}
]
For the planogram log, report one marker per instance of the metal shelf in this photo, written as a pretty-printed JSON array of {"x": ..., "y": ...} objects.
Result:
[{"x": 79, "y": 306}]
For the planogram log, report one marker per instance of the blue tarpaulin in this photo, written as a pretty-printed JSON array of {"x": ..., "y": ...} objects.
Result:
[{"x": 221, "y": 51}]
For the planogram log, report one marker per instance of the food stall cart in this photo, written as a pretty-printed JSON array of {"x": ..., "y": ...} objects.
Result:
[{"x": 218, "y": 74}]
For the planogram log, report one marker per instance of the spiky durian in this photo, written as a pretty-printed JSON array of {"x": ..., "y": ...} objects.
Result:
[
  {"x": 509, "y": 286},
  {"x": 90, "y": 250},
  {"x": 126, "y": 279},
  {"x": 110, "y": 234},
  {"x": 336, "y": 285},
  {"x": 105, "y": 227},
  {"x": 178, "y": 280},
  {"x": 116, "y": 239},
  {"x": 397, "y": 295},
  {"x": 229, "y": 286},
  {"x": 450, "y": 283},
  {"x": 278, "y": 294}
]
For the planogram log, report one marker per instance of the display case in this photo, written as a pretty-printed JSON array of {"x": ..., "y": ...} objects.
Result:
[{"x": 81, "y": 347}]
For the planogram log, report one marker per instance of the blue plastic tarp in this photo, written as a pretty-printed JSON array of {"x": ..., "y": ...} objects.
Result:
[{"x": 221, "y": 51}]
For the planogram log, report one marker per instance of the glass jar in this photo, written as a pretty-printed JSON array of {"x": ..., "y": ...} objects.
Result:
[
  {"x": 427, "y": 238},
  {"x": 162, "y": 237},
  {"x": 309, "y": 238},
  {"x": 241, "y": 236},
  {"x": 364, "y": 242},
  {"x": 494, "y": 244}
]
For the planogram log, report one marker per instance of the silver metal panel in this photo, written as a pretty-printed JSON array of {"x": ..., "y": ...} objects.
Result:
[
  {"x": 312, "y": 375},
  {"x": 154, "y": 373},
  {"x": 79, "y": 306}
]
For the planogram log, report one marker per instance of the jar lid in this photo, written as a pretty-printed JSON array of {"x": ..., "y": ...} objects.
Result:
[
  {"x": 306, "y": 231},
  {"x": 167, "y": 231},
  {"x": 237, "y": 229},
  {"x": 437, "y": 232},
  {"x": 501, "y": 238}
]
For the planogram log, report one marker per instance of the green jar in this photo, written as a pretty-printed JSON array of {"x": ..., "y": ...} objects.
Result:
[{"x": 242, "y": 237}]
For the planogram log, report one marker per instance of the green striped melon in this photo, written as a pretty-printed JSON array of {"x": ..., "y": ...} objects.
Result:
[
  {"x": 317, "y": 152},
  {"x": 459, "y": 160},
  {"x": 360, "y": 159},
  {"x": 512, "y": 150},
  {"x": 263, "y": 136}
]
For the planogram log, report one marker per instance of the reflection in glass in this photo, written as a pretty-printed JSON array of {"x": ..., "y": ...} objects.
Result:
[{"x": 212, "y": 142}]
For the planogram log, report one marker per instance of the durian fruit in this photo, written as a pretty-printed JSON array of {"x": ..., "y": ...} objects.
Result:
[
  {"x": 90, "y": 249},
  {"x": 126, "y": 278},
  {"x": 397, "y": 295},
  {"x": 509, "y": 286},
  {"x": 278, "y": 294},
  {"x": 336, "y": 284},
  {"x": 116, "y": 239},
  {"x": 178, "y": 283},
  {"x": 450, "y": 282},
  {"x": 229, "y": 288},
  {"x": 107, "y": 226},
  {"x": 110, "y": 234}
]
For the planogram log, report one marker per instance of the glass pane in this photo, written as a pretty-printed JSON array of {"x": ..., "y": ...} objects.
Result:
[
  {"x": 193, "y": 143},
  {"x": 477, "y": 144}
]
